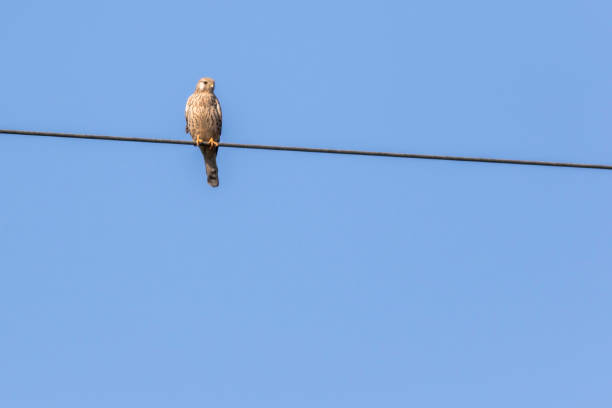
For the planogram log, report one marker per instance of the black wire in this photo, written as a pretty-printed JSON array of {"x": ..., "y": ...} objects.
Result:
[{"x": 313, "y": 150}]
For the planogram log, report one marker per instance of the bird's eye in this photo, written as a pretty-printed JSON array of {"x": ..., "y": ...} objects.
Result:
[{"x": 205, "y": 82}]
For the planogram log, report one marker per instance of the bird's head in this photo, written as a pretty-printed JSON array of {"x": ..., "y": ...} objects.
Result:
[{"x": 206, "y": 85}]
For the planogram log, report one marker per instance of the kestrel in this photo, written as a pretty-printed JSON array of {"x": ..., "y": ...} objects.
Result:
[{"x": 203, "y": 117}]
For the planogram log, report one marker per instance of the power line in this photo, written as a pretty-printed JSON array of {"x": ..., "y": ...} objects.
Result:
[{"x": 313, "y": 150}]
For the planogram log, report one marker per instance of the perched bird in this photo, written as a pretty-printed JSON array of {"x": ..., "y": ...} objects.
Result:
[{"x": 203, "y": 117}]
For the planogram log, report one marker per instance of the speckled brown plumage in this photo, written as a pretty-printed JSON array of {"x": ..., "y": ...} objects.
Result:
[{"x": 204, "y": 121}]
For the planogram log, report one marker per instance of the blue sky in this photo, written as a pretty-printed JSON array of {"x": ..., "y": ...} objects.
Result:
[{"x": 306, "y": 280}]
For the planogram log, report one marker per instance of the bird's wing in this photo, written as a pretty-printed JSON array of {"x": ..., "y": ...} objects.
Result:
[
  {"x": 220, "y": 115},
  {"x": 187, "y": 107}
]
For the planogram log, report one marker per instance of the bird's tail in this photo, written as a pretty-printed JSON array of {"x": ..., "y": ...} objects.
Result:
[{"x": 210, "y": 160}]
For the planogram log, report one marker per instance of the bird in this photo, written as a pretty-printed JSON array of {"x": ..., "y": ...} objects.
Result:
[{"x": 203, "y": 122}]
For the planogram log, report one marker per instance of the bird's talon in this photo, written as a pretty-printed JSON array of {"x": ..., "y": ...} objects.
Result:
[{"x": 212, "y": 142}]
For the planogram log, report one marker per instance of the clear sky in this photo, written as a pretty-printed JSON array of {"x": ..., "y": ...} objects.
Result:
[{"x": 306, "y": 280}]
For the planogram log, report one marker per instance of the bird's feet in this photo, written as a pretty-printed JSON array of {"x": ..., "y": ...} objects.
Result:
[
  {"x": 198, "y": 141},
  {"x": 213, "y": 143}
]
